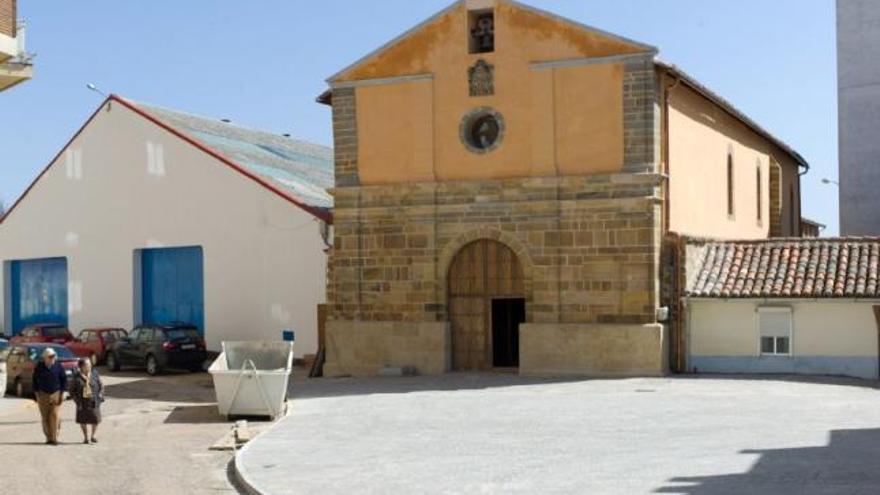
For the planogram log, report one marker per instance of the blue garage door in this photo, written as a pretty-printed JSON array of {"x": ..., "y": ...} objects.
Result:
[
  {"x": 38, "y": 292},
  {"x": 173, "y": 286}
]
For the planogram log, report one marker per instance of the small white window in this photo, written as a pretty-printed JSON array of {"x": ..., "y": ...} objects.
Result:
[{"x": 774, "y": 328}]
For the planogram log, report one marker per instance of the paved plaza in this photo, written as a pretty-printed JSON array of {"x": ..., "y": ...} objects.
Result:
[{"x": 483, "y": 433}]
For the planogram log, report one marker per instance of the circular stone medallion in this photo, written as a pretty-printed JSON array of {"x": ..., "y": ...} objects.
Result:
[{"x": 481, "y": 130}]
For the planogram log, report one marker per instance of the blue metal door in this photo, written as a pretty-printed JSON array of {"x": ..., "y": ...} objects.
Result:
[
  {"x": 173, "y": 286},
  {"x": 38, "y": 292}
]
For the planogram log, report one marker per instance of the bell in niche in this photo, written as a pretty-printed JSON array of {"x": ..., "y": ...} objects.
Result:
[{"x": 484, "y": 33}]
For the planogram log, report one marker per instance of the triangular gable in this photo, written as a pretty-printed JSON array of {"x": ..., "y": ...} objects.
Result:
[
  {"x": 406, "y": 54},
  {"x": 323, "y": 214}
]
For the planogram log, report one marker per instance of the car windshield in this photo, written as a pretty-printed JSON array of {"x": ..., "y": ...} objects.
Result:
[
  {"x": 112, "y": 335},
  {"x": 181, "y": 333},
  {"x": 54, "y": 331}
]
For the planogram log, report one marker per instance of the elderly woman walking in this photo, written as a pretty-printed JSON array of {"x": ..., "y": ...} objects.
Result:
[{"x": 87, "y": 392}]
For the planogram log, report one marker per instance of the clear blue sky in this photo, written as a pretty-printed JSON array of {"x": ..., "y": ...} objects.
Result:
[{"x": 262, "y": 62}]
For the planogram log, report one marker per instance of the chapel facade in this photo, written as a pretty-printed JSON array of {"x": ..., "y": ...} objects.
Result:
[{"x": 504, "y": 182}]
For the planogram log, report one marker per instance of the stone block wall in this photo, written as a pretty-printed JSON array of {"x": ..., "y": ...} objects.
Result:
[
  {"x": 641, "y": 116},
  {"x": 775, "y": 199},
  {"x": 593, "y": 349},
  {"x": 345, "y": 140},
  {"x": 364, "y": 348},
  {"x": 589, "y": 246}
]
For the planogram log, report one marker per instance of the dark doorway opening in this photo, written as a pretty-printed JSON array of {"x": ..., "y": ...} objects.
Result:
[{"x": 507, "y": 314}]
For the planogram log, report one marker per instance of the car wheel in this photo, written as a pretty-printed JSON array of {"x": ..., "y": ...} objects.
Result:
[
  {"x": 94, "y": 359},
  {"x": 112, "y": 362},
  {"x": 152, "y": 365},
  {"x": 19, "y": 388}
]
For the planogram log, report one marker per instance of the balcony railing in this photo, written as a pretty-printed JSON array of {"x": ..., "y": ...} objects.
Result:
[{"x": 22, "y": 56}]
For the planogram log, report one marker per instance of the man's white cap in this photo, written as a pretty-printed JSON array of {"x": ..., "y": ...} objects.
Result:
[{"x": 48, "y": 352}]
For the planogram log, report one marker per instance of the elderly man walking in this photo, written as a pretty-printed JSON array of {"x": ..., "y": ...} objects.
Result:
[{"x": 50, "y": 382}]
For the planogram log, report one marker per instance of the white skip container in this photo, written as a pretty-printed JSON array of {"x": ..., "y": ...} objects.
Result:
[{"x": 250, "y": 378}]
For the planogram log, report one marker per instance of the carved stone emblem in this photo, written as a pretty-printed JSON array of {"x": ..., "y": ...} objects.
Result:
[{"x": 482, "y": 79}]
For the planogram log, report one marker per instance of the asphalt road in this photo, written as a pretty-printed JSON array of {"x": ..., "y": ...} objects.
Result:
[{"x": 154, "y": 440}]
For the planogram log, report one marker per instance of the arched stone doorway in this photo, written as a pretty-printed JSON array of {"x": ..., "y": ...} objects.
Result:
[{"x": 486, "y": 306}]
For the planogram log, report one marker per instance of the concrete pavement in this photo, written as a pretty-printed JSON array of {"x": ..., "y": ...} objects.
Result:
[
  {"x": 465, "y": 433},
  {"x": 154, "y": 439}
]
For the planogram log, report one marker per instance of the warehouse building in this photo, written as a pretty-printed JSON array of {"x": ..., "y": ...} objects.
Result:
[{"x": 153, "y": 215}]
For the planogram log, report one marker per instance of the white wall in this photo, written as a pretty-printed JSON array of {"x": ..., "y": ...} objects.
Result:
[
  {"x": 828, "y": 337},
  {"x": 264, "y": 264},
  {"x": 829, "y": 328}
]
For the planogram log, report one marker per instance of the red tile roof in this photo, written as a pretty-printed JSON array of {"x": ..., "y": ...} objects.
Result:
[{"x": 787, "y": 268}]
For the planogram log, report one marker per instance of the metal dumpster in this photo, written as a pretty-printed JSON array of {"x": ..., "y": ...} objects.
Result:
[{"x": 250, "y": 378}]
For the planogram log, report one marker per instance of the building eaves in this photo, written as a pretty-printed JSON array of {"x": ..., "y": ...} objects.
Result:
[{"x": 697, "y": 86}]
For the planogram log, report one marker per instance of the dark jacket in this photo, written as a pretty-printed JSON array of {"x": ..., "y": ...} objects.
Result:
[
  {"x": 49, "y": 379},
  {"x": 78, "y": 385}
]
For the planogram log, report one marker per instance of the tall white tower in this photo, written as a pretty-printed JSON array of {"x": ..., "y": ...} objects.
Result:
[{"x": 858, "y": 53}]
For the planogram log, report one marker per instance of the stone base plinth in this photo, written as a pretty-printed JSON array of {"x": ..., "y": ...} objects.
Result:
[
  {"x": 592, "y": 349},
  {"x": 363, "y": 348}
]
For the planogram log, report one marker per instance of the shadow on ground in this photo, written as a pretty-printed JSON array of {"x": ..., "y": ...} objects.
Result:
[
  {"x": 840, "y": 381},
  {"x": 848, "y": 464},
  {"x": 164, "y": 388},
  {"x": 206, "y": 414},
  {"x": 315, "y": 388}
]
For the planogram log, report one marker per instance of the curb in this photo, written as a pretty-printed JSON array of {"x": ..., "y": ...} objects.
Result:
[
  {"x": 241, "y": 478},
  {"x": 241, "y": 475}
]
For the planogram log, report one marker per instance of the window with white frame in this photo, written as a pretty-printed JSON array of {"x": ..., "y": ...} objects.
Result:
[{"x": 774, "y": 329}]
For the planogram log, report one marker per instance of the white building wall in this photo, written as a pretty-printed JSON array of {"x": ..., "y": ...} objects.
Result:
[
  {"x": 125, "y": 184},
  {"x": 858, "y": 52},
  {"x": 833, "y": 337}
]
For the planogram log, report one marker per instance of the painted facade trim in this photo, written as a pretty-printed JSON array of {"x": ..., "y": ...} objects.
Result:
[
  {"x": 577, "y": 62},
  {"x": 856, "y": 366},
  {"x": 382, "y": 81}
]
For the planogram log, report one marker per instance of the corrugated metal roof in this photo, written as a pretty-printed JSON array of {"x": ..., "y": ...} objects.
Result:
[
  {"x": 300, "y": 169},
  {"x": 788, "y": 268}
]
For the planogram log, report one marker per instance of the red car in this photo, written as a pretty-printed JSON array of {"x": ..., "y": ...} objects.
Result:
[
  {"x": 23, "y": 358},
  {"x": 43, "y": 333},
  {"x": 94, "y": 342}
]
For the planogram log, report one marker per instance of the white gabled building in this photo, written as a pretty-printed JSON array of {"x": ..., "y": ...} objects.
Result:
[{"x": 152, "y": 215}]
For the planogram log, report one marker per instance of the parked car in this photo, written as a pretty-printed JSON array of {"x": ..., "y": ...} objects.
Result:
[
  {"x": 158, "y": 347},
  {"x": 48, "y": 333},
  {"x": 93, "y": 343},
  {"x": 23, "y": 358}
]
